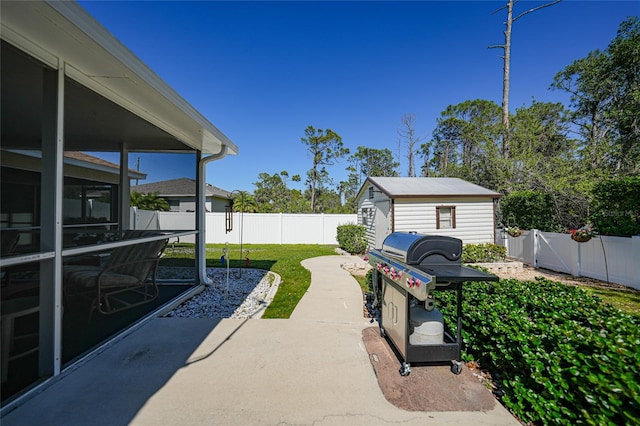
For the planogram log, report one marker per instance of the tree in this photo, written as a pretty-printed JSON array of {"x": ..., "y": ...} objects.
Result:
[
  {"x": 325, "y": 148},
  {"x": 464, "y": 143},
  {"x": 365, "y": 162},
  {"x": 244, "y": 202},
  {"x": 528, "y": 210},
  {"x": 543, "y": 160},
  {"x": 624, "y": 53},
  {"x": 543, "y": 151},
  {"x": 149, "y": 201},
  {"x": 408, "y": 136},
  {"x": 271, "y": 193},
  {"x": 373, "y": 162},
  {"x": 506, "y": 75},
  {"x": 616, "y": 207},
  {"x": 349, "y": 189},
  {"x": 425, "y": 152},
  {"x": 298, "y": 203},
  {"x": 605, "y": 98}
]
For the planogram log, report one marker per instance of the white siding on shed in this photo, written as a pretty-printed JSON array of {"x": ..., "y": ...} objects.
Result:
[
  {"x": 474, "y": 218},
  {"x": 374, "y": 221}
]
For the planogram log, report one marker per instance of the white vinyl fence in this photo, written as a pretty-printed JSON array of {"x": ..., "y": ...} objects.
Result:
[
  {"x": 612, "y": 259},
  {"x": 250, "y": 228}
]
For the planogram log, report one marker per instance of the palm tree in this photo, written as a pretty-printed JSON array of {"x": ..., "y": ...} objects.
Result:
[
  {"x": 244, "y": 202},
  {"x": 149, "y": 202}
]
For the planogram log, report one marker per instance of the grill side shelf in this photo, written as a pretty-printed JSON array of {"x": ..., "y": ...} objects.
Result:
[{"x": 457, "y": 274}]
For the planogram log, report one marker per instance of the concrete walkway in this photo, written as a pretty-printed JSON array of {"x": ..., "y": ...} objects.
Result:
[{"x": 310, "y": 369}]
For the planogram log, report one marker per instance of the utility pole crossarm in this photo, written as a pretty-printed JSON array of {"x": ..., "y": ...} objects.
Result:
[{"x": 536, "y": 8}]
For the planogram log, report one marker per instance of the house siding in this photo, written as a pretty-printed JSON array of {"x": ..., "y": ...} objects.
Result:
[
  {"x": 215, "y": 204},
  {"x": 474, "y": 218},
  {"x": 376, "y": 219}
]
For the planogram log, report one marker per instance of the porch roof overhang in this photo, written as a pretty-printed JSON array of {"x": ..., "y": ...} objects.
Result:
[{"x": 111, "y": 97}]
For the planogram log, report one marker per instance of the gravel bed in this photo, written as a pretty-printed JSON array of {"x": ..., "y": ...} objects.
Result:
[{"x": 244, "y": 294}]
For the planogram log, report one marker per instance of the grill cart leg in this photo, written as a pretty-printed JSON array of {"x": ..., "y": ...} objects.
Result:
[
  {"x": 456, "y": 365},
  {"x": 405, "y": 369}
]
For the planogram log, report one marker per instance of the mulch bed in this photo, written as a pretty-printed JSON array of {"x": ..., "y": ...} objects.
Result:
[{"x": 428, "y": 387}]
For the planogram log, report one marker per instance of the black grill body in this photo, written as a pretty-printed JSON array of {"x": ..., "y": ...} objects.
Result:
[{"x": 407, "y": 270}]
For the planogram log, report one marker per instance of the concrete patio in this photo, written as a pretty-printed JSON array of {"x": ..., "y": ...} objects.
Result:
[{"x": 310, "y": 369}]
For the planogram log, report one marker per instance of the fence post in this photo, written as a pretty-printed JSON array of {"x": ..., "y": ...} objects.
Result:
[
  {"x": 134, "y": 218},
  {"x": 579, "y": 260},
  {"x": 505, "y": 241},
  {"x": 535, "y": 247}
]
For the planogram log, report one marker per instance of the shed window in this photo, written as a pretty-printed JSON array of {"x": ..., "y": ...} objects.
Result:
[
  {"x": 365, "y": 216},
  {"x": 445, "y": 217}
]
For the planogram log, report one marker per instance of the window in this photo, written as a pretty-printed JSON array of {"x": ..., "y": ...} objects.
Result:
[
  {"x": 445, "y": 217},
  {"x": 88, "y": 203},
  {"x": 365, "y": 216}
]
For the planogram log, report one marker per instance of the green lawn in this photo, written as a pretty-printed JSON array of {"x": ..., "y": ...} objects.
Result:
[
  {"x": 627, "y": 301},
  {"x": 283, "y": 259}
]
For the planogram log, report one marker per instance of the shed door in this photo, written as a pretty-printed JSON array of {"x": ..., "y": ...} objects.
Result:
[{"x": 382, "y": 223}]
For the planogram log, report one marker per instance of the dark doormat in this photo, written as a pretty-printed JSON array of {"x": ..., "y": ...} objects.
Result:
[{"x": 428, "y": 387}]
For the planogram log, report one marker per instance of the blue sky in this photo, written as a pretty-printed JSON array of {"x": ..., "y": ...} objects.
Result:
[{"x": 263, "y": 71}]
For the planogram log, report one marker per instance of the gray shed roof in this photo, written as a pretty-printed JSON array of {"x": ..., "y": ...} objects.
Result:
[
  {"x": 395, "y": 187},
  {"x": 180, "y": 187}
]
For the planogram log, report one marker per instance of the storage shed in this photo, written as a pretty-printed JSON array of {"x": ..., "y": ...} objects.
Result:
[{"x": 441, "y": 206}]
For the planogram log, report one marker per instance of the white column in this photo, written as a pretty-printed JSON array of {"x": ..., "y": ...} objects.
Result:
[
  {"x": 124, "y": 195},
  {"x": 51, "y": 218}
]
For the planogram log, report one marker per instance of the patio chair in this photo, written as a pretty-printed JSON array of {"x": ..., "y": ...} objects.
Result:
[
  {"x": 8, "y": 242},
  {"x": 17, "y": 342},
  {"x": 127, "y": 279}
]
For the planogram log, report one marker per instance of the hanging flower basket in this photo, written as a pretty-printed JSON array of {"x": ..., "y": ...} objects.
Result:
[
  {"x": 580, "y": 239},
  {"x": 583, "y": 234},
  {"x": 514, "y": 231}
]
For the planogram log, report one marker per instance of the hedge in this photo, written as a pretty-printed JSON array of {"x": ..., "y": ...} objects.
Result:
[
  {"x": 486, "y": 252},
  {"x": 557, "y": 354},
  {"x": 352, "y": 238}
]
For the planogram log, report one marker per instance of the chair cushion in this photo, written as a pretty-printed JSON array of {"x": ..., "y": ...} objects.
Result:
[
  {"x": 88, "y": 278},
  {"x": 132, "y": 253}
]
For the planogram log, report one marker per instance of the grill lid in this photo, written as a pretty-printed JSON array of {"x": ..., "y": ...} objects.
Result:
[{"x": 419, "y": 249}]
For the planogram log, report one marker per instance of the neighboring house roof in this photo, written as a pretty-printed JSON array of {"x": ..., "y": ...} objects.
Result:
[
  {"x": 415, "y": 187},
  {"x": 83, "y": 157},
  {"x": 180, "y": 187},
  {"x": 16, "y": 157}
]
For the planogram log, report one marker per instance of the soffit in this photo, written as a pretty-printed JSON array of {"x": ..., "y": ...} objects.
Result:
[{"x": 110, "y": 95}]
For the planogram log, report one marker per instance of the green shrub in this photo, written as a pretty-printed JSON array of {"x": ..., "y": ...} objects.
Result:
[
  {"x": 352, "y": 238},
  {"x": 558, "y": 354},
  {"x": 616, "y": 207},
  {"x": 369, "y": 280},
  {"x": 486, "y": 252},
  {"x": 529, "y": 210}
]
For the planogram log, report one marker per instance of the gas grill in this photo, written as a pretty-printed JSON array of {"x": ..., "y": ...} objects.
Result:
[{"x": 407, "y": 270}]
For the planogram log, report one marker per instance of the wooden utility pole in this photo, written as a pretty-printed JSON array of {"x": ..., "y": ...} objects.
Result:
[{"x": 507, "y": 64}]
